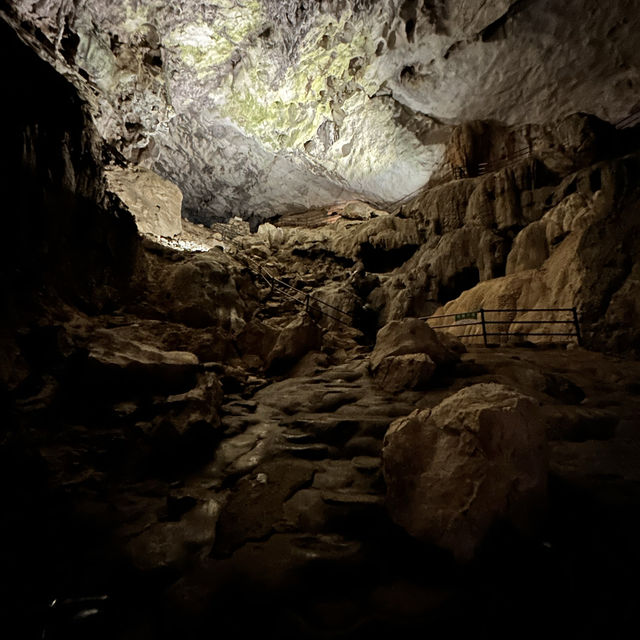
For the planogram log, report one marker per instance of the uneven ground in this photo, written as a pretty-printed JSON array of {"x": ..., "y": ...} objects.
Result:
[
  {"x": 305, "y": 520},
  {"x": 282, "y": 529}
]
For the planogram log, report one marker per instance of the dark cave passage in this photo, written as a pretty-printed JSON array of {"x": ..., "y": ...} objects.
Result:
[{"x": 382, "y": 260}]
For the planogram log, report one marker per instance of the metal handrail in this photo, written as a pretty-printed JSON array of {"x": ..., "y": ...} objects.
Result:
[
  {"x": 504, "y": 162},
  {"x": 272, "y": 281},
  {"x": 629, "y": 121},
  {"x": 484, "y": 323}
]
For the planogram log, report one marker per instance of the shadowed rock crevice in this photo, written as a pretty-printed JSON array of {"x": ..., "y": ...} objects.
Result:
[
  {"x": 496, "y": 30},
  {"x": 380, "y": 260}
]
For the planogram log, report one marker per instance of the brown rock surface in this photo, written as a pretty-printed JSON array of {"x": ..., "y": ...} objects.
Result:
[
  {"x": 138, "y": 363},
  {"x": 410, "y": 335},
  {"x": 568, "y": 259},
  {"x": 407, "y": 371},
  {"x": 296, "y": 339},
  {"x": 204, "y": 289},
  {"x": 118, "y": 450},
  {"x": 406, "y": 354},
  {"x": 475, "y": 460},
  {"x": 156, "y": 203}
]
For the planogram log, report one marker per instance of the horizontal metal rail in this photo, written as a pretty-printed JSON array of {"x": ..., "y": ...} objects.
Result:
[
  {"x": 307, "y": 302},
  {"x": 452, "y": 315},
  {"x": 504, "y": 161},
  {"x": 285, "y": 288},
  {"x": 545, "y": 310},
  {"x": 290, "y": 295},
  {"x": 526, "y": 333},
  {"x": 272, "y": 280},
  {"x": 629, "y": 121},
  {"x": 450, "y": 326},
  {"x": 470, "y": 319},
  {"x": 528, "y": 322}
]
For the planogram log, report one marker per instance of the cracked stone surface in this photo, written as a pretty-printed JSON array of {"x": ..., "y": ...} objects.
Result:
[{"x": 257, "y": 107}]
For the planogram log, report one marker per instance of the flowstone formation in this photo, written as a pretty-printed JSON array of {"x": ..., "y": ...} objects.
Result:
[{"x": 257, "y": 107}]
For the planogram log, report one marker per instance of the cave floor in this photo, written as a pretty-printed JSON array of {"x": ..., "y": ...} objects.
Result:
[{"x": 284, "y": 532}]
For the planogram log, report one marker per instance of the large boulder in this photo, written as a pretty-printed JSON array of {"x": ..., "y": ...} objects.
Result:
[
  {"x": 299, "y": 337},
  {"x": 476, "y": 460},
  {"x": 410, "y": 335},
  {"x": 408, "y": 371},
  {"x": 376, "y": 241},
  {"x": 406, "y": 354},
  {"x": 119, "y": 366},
  {"x": 198, "y": 290}
]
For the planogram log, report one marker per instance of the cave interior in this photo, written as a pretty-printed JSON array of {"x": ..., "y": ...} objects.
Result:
[{"x": 320, "y": 319}]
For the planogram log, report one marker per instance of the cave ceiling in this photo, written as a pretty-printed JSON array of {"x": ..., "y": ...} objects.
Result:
[{"x": 257, "y": 107}]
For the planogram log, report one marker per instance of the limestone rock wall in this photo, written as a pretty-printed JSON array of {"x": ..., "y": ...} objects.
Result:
[
  {"x": 156, "y": 204},
  {"x": 72, "y": 246},
  {"x": 259, "y": 107},
  {"x": 583, "y": 253},
  {"x": 557, "y": 229},
  {"x": 65, "y": 235},
  {"x": 532, "y": 221},
  {"x": 466, "y": 228}
]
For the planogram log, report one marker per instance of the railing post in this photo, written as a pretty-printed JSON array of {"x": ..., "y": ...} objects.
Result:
[
  {"x": 576, "y": 323},
  {"x": 484, "y": 328}
]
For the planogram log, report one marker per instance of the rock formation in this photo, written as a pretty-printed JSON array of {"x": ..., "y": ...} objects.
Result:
[
  {"x": 259, "y": 107},
  {"x": 583, "y": 252},
  {"x": 406, "y": 355},
  {"x": 476, "y": 460},
  {"x": 156, "y": 204},
  {"x": 193, "y": 427}
]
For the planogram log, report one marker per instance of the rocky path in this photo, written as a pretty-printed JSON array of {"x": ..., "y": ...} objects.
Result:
[
  {"x": 304, "y": 543},
  {"x": 301, "y": 492},
  {"x": 284, "y": 532},
  {"x": 277, "y": 525}
]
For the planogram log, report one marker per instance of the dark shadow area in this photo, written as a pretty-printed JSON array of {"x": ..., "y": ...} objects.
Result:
[
  {"x": 461, "y": 281},
  {"x": 381, "y": 260}
]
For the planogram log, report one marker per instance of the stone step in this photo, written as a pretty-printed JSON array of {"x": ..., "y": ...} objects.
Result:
[
  {"x": 351, "y": 498},
  {"x": 307, "y": 451},
  {"x": 298, "y": 438},
  {"x": 235, "y": 424},
  {"x": 367, "y": 464},
  {"x": 239, "y": 407}
]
